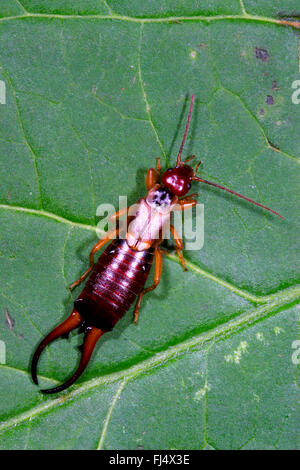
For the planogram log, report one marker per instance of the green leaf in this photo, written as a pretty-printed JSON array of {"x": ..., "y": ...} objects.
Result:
[{"x": 94, "y": 93}]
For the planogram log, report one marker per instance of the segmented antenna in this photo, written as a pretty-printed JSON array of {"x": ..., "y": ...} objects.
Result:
[
  {"x": 196, "y": 178},
  {"x": 186, "y": 130}
]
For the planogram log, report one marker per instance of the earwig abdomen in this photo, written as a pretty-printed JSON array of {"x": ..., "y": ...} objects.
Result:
[{"x": 117, "y": 278}]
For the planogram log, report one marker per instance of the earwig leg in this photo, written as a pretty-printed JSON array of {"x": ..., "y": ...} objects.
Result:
[
  {"x": 188, "y": 199},
  {"x": 122, "y": 225},
  {"x": 152, "y": 178},
  {"x": 90, "y": 340},
  {"x": 72, "y": 322},
  {"x": 157, "y": 275},
  {"x": 186, "y": 203},
  {"x": 164, "y": 251},
  {"x": 119, "y": 214},
  {"x": 179, "y": 246},
  {"x": 95, "y": 248}
]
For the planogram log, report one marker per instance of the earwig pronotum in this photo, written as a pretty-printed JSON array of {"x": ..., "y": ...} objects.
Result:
[{"x": 120, "y": 274}]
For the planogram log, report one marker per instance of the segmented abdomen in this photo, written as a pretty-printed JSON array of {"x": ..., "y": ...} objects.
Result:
[{"x": 116, "y": 280}]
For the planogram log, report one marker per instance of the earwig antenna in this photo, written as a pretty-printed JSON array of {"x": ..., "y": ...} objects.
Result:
[
  {"x": 196, "y": 178},
  {"x": 186, "y": 130}
]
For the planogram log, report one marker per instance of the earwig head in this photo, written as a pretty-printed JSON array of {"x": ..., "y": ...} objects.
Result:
[{"x": 178, "y": 179}]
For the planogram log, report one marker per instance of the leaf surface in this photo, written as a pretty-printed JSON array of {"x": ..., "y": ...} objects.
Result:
[{"x": 94, "y": 93}]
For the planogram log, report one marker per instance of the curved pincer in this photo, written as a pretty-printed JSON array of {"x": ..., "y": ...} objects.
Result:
[
  {"x": 91, "y": 337},
  {"x": 92, "y": 334},
  {"x": 72, "y": 322}
]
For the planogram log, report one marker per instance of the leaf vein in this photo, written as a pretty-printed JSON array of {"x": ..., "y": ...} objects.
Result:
[
  {"x": 148, "y": 109},
  {"x": 268, "y": 145},
  {"x": 208, "y": 19},
  {"x": 24, "y": 135},
  {"x": 109, "y": 413}
]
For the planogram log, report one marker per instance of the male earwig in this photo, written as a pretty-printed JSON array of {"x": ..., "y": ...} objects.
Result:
[{"x": 119, "y": 276}]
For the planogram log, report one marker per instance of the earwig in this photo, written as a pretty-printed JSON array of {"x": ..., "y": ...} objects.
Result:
[{"x": 119, "y": 276}]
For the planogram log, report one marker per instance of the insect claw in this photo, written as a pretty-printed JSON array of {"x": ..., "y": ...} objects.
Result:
[
  {"x": 73, "y": 321},
  {"x": 90, "y": 340}
]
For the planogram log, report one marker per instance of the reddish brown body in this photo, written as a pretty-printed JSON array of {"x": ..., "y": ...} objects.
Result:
[
  {"x": 120, "y": 274},
  {"x": 116, "y": 280}
]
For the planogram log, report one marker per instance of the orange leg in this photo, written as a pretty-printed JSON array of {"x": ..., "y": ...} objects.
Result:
[
  {"x": 122, "y": 225},
  {"x": 157, "y": 275},
  {"x": 187, "y": 202},
  {"x": 153, "y": 176},
  {"x": 99, "y": 244},
  {"x": 179, "y": 246},
  {"x": 119, "y": 214},
  {"x": 184, "y": 204}
]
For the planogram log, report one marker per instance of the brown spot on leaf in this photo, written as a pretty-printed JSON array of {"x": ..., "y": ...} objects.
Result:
[
  {"x": 270, "y": 100},
  {"x": 262, "y": 54},
  {"x": 262, "y": 111},
  {"x": 275, "y": 86},
  {"x": 9, "y": 320}
]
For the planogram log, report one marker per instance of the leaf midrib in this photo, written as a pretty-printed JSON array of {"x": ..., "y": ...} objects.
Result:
[{"x": 168, "y": 19}]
